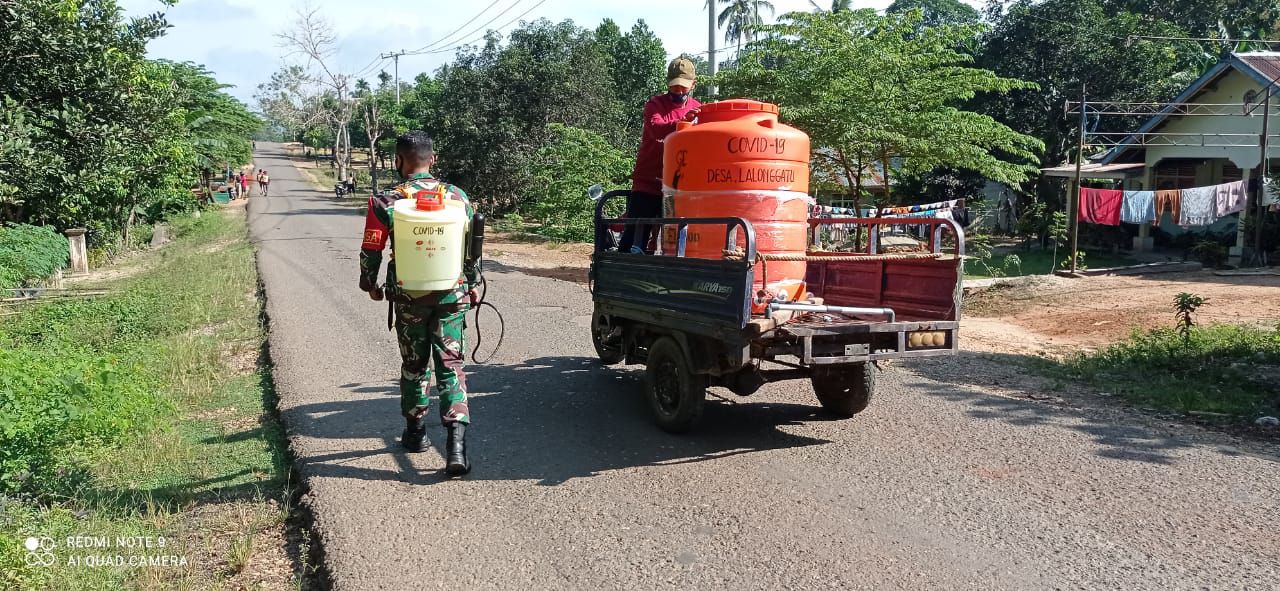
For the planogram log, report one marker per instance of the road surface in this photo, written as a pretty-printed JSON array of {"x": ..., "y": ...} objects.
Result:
[{"x": 936, "y": 486}]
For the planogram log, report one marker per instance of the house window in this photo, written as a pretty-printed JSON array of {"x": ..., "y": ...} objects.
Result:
[
  {"x": 1231, "y": 173},
  {"x": 1176, "y": 175}
]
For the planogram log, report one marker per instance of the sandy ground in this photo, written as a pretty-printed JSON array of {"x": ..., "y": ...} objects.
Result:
[{"x": 1055, "y": 313}]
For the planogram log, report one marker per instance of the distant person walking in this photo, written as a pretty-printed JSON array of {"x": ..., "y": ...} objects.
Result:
[
  {"x": 244, "y": 183},
  {"x": 264, "y": 181}
]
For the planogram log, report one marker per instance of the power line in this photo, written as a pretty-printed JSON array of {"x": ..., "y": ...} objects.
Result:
[
  {"x": 377, "y": 61},
  {"x": 374, "y": 65},
  {"x": 459, "y": 29},
  {"x": 498, "y": 28},
  {"x": 473, "y": 31}
]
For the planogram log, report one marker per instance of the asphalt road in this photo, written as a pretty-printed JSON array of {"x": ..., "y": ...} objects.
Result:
[{"x": 936, "y": 486}]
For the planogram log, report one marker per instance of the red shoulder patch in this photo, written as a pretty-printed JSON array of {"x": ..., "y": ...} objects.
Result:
[{"x": 373, "y": 238}]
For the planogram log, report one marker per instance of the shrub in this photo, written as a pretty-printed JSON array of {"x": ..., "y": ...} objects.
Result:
[
  {"x": 1210, "y": 369},
  {"x": 574, "y": 160},
  {"x": 1210, "y": 253},
  {"x": 29, "y": 254}
]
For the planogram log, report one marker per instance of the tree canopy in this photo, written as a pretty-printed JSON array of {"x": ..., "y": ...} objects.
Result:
[
  {"x": 872, "y": 89},
  {"x": 94, "y": 134}
]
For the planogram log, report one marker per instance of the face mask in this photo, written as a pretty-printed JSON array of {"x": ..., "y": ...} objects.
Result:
[{"x": 679, "y": 98}]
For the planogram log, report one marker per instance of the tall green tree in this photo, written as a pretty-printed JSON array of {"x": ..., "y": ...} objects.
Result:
[
  {"x": 836, "y": 5},
  {"x": 636, "y": 64},
  {"x": 1062, "y": 45},
  {"x": 95, "y": 134},
  {"x": 875, "y": 90},
  {"x": 938, "y": 12},
  {"x": 1222, "y": 19},
  {"x": 492, "y": 110}
]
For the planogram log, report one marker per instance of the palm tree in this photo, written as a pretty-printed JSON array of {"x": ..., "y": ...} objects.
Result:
[{"x": 741, "y": 17}]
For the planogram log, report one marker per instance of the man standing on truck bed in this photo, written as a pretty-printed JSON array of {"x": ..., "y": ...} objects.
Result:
[{"x": 661, "y": 114}]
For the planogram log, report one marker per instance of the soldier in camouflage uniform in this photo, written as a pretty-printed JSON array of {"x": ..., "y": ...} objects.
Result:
[{"x": 430, "y": 328}]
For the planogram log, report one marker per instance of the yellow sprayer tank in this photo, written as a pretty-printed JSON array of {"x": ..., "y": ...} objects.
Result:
[{"x": 428, "y": 242}]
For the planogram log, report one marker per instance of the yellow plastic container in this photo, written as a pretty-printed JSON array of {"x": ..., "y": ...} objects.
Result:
[{"x": 428, "y": 243}]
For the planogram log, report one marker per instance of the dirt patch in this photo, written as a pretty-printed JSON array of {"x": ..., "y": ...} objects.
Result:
[
  {"x": 1095, "y": 311},
  {"x": 564, "y": 261}
]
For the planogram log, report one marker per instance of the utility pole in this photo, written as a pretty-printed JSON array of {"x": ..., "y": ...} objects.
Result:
[
  {"x": 1073, "y": 202},
  {"x": 1259, "y": 256},
  {"x": 396, "y": 56},
  {"x": 711, "y": 41}
]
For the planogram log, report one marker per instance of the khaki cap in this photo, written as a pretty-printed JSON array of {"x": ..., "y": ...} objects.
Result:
[{"x": 681, "y": 72}]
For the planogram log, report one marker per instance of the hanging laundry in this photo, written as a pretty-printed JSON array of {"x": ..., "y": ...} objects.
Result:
[
  {"x": 1139, "y": 207},
  {"x": 1100, "y": 206},
  {"x": 1197, "y": 207},
  {"x": 1229, "y": 198},
  {"x": 1169, "y": 201}
]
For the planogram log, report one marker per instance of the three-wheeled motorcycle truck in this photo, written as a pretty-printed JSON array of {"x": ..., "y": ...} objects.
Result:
[{"x": 690, "y": 321}]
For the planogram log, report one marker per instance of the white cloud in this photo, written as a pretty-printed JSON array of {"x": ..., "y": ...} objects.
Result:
[{"x": 236, "y": 38}]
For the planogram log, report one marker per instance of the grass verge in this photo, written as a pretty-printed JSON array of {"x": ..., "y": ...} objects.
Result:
[
  {"x": 1229, "y": 371},
  {"x": 138, "y": 441},
  {"x": 1035, "y": 262}
]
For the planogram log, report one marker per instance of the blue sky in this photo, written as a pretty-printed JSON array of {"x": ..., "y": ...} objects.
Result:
[{"x": 236, "y": 38}]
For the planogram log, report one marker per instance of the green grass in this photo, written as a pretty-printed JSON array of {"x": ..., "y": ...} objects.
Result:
[
  {"x": 179, "y": 441},
  {"x": 1037, "y": 262},
  {"x": 1218, "y": 369}
]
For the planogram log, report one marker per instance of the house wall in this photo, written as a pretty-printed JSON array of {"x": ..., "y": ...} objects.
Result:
[{"x": 1230, "y": 89}]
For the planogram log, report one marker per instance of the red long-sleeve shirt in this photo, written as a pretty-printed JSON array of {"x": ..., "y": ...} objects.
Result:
[{"x": 661, "y": 114}]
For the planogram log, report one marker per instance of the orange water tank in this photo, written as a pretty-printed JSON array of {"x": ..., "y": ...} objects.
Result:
[{"x": 739, "y": 161}]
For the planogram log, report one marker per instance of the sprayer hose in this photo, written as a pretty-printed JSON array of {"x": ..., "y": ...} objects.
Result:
[{"x": 502, "y": 323}]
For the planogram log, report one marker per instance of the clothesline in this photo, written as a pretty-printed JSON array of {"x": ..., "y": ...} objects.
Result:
[
  {"x": 890, "y": 211},
  {"x": 1197, "y": 206}
]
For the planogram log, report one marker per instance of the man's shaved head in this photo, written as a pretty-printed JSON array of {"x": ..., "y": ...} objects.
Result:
[{"x": 415, "y": 151}]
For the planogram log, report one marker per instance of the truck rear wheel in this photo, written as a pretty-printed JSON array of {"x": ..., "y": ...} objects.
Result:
[
  {"x": 675, "y": 394},
  {"x": 607, "y": 338},
  {"x": 845, "y": 391}
]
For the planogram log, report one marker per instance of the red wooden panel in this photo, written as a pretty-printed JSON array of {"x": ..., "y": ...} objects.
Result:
[
  {"x": 847, "y": 283},
  {"x": 921, "y": 289}
]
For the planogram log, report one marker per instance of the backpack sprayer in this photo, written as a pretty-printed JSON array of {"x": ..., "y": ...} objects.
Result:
[{"x": 427, "y": 230}]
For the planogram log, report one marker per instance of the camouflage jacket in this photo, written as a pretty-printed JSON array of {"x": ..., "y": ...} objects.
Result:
[{"x": 377, "y": 233}]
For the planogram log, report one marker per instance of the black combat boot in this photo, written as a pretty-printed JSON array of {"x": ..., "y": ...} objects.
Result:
[
  {"x": 456, "y": 451},
  {"x": 414, "y": 437}
]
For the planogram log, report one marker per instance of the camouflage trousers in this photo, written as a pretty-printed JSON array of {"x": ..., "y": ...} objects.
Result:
[{"x": 432, "y": 337}]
